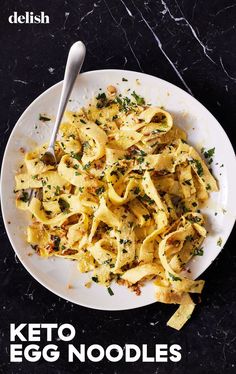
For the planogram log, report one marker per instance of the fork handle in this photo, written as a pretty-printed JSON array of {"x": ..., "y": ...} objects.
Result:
[{"x": 73, "y": 65}]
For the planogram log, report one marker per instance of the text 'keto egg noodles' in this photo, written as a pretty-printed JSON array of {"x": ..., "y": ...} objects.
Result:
[{"x": 123, "y": 199}]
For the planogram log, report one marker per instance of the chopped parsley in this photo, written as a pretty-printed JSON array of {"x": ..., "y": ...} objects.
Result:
[
  {"x": 156, "y": 131},
  {"x": 189, "y": 238},
  {"x": 111, "y": 293},
  {"x": 208, "y": 154},
  {"x": 56, "y": 242},
  {"x": 44, "y": 118},
  {"x": 125, "y": 241},
  {"x": 198, "y": 252},
  {"x": 58, "y": 190},
  {"x": 140, "y": 160},
  {"x": 194, "y": 219},
  {"x": 77, "y": 156},
  {"x": 124, "y": 80},
  {"x": 95, "y": 279},
  {"x": 188, "y": 182},
  {"x": 124, "y": 104},
  {"x": 83, "y": 121},
  {"x": 102, "y": 100},
  {"x": 64, "y": 205},
  {"x": 87, "y": 166},
  {"x": 100, "y": 190},
  {"x": 219, "y": 242},
  {"x": 24, "y": 197},
  {"x": 136, "y": 190},
  {"x": 139, "y": 99},
  {"x": 198, "y": 167},
  {"x": 173, "y": 277},
  {"x": 147, "y": 199},
  {"x": 86, "y": 145}
]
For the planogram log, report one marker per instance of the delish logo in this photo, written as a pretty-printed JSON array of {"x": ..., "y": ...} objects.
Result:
[{"x": 28, "y": 17}]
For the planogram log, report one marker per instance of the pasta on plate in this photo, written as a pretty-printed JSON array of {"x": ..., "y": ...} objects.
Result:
[{"x": 123, "y": 199}]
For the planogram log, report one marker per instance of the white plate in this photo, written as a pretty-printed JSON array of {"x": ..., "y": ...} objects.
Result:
[{"x": 203, "y": 130}]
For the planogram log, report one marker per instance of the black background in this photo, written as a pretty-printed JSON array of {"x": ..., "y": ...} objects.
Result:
[{"x": 198, "y": 36}]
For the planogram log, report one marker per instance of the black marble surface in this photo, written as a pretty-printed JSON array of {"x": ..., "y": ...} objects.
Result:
[{"x": 190, "y": 43}]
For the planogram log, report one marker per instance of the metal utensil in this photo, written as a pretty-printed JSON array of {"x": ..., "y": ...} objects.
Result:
[{"x": 73, "y": 66}]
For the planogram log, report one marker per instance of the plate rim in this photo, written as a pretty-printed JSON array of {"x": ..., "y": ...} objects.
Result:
[{"x": 38, "y": 98}]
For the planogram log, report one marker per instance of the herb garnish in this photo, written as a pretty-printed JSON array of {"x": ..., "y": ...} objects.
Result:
[
  {"x": 24, "y": 197},
  {"x": 147, "y": 199},
  {"x": 125, "y": 241},
  {"x": 219, "y": 242},
  {"x": 208, "y": 154},
  {"x": 56, "y": 242},
  {"x": 187, "y": 181},
  {"x": 44, "y": 118},
  {"x": 87, "y": 166},
  {"x": 111, "y": 293},
  {"x": 198, "y": 252},
  {"x": 63, "y": 204},
  {"x": 198, "y": 166},
  {"x": 173, "y": 277},
  {"x": 102, "y": 100},
  {"x": 136, "y": 190},
  {"x": 100, "y": 190},
  {"x": 58, "y": 190},
  {"x": 77, "y": 156},
  {"x": 139, "y": 99}
]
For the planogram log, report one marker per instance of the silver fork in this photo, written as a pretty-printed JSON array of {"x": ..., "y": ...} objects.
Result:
[
  {"x": 74, "y": 63},
  {"x": 73, "y": 66}
]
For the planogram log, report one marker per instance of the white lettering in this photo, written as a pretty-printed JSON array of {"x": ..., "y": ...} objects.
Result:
[
  {"x": 73, "y": 351},
  {"x": 29, "y": 17},
  {"x": 15, "y": 332},
  {"x": 16, "y": 353},
  {"x": 98, "y": 348},
  {"x": 69, "y": 337},
  {"x": 161, "y": 353},
  {"x": 49, "y": 327},
  {"x": 176, "y": 355},
  {"x": 54, "y": 354},
  {"x": 11, "y": 18},
  {"x": 128, "y": 349},
  {"x": 21, "y": 19},
  {"x": 44, "y": 18},
  {"x": 145, "y": 355},
  {"x": 118, "y": 349},
  {"x": 35, "y": 355},
  {"x": 34, "y": 332}
]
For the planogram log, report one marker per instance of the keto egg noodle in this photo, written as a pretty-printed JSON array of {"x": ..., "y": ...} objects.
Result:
[{"x": 123, "y": 199}]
